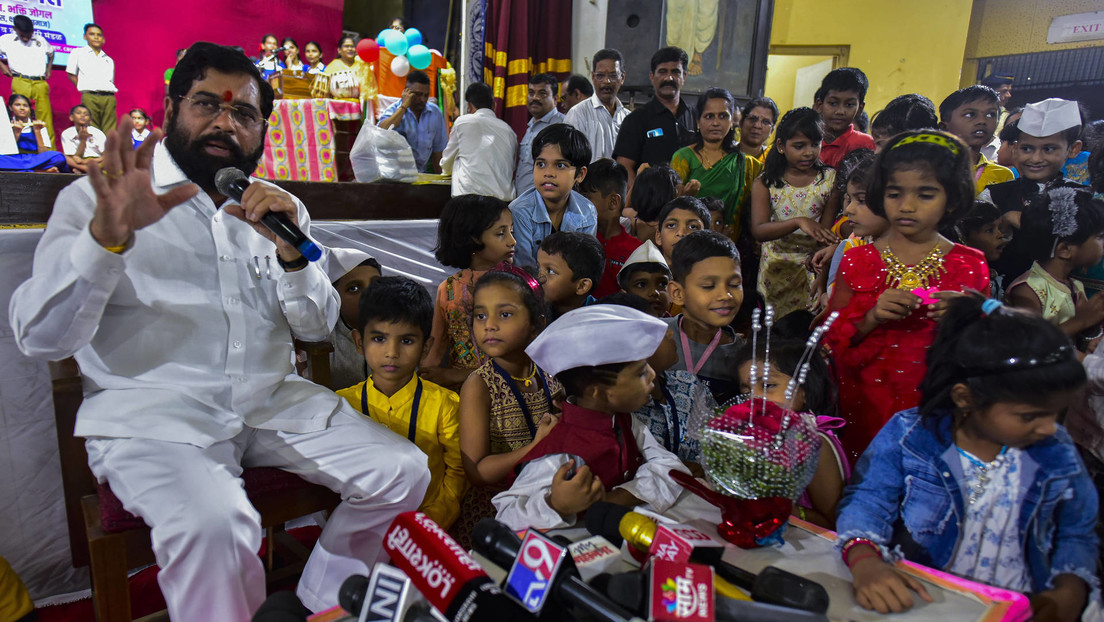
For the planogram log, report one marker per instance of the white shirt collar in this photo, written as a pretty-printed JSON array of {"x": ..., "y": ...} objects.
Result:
[
  {"x": 597, "y": 103},
  {"x": 166, "y": 172}
]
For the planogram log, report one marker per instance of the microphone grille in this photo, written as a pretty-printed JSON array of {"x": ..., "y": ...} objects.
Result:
[{"x": 226, "y": 176}]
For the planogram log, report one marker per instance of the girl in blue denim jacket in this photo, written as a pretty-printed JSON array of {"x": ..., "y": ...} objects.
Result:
[{"x": 980, "y": 480}]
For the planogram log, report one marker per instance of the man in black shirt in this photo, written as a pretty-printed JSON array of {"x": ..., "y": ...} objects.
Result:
[{"x": 653, "y": 132}]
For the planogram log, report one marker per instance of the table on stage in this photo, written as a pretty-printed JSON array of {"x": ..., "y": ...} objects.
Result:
[{"x": 300, "y": 144}]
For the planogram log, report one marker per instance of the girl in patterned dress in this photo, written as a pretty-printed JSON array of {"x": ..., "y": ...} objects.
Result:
[
  {"x": 474, "y": 234},
  {"x": 506, "y": 405},
  {"x": 981, "y": 480},
  {"x": 793, "y": 206}
]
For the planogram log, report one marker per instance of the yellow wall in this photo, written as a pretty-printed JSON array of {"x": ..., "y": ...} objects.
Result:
[
  {"x": 903, "y": 47},
  {"x": 1001, "y": 27},
  {"x": 781, "y": 76}
]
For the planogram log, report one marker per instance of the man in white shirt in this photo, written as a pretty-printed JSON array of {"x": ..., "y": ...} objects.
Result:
[
  {"x": 600, "y": 116},
  {"x": 29, "y": 59},
  {"x": 180, "y": 308},
  {"x": 482, "y": 148},
  {"x": 82, "y": 143},
  {"x": 542, "y": 109},
  {"x": 92, "y": 71}
]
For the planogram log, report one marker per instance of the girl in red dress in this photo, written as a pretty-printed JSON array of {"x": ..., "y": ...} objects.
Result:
[{"x": 889, "y": 293}]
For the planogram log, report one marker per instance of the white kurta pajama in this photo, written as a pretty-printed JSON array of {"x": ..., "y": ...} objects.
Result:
[{"x": 186, "y": 357}]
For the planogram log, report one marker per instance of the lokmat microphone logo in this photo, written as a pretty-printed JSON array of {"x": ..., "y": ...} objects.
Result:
[{"x": 436, "y": 576}]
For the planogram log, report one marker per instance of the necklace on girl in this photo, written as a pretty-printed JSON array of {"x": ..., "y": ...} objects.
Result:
[
  {"x": 908, "y": 278},
  {"x": 708, "y": 164},
  {"x": 983, "y": 470},
  {"x": 527, "y": 381}
]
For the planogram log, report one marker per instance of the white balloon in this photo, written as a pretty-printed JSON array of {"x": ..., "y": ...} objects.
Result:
[{"x": 400, "y": 66}]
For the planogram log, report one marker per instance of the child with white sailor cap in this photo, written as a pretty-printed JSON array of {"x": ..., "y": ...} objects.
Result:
[{"x": 597, "y": 451}]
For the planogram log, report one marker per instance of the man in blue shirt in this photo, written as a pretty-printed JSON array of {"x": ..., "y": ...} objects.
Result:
[
  {"x": 542, "y": 109},
  {"x": 560, "y": 156},
  {"x": 419, "y": 121}
]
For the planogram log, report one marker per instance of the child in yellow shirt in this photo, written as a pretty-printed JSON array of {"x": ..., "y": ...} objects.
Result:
[{"x": 396, "y": 315}]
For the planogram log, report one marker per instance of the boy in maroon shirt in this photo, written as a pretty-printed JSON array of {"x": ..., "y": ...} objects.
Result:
[
  {"x": 840, "y": 98},
  {"x": 605, "y": 186}
]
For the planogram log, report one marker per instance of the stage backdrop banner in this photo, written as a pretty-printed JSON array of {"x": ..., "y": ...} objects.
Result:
[{"x": 60, "y": 22}]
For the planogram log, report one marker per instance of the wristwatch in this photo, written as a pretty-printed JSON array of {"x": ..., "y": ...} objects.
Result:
[{"x": 295, "y": 264}]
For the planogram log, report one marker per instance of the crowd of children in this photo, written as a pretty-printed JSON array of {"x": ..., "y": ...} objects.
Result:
[{"x": 587, "y": 348}]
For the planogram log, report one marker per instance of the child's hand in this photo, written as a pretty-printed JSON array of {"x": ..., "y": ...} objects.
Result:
[
  {"x": 19, "y": 125},
  {"x": 545, "y": 426},
  {"x": 1090, "y": 312},
  {"x": 817, "y": 231},
  {"x": 894, "y": 304},
  {"x": 36, "y": 124},
  {"x": 880, "y": 587},
  {"x": 822, "y": 258},
  {"x": 938, "y": 309},
  {"x": 571, "y": 496},
  {"x": 689, "y": 189},
  {"x": 1063, "y": 603}
]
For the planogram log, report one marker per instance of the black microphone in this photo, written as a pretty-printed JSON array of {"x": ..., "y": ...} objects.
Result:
[
  {"x": 772, "y": 585},
  {"x": 501, "y": 546},
  {"x": 232, "y": 182},
  {"x": 282, "y": 606}
]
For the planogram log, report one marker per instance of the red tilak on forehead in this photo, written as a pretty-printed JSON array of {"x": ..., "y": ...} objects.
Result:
[{"x": 227, "y": 96}]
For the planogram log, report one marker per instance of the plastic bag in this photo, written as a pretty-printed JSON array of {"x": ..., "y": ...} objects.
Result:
[{"x": 382, "y": 154}]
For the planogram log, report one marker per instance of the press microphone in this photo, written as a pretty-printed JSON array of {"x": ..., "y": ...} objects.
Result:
[
  {"x": 445, "y": 574},
  {"x": 773, "y": 585},
  {"x": 636, "y": 591},
  {"x": 539, "y": 570},
  {"x": 387, "y": 596},
  {"x": 232, "y": 182},
  {"x": 282, "y": 606}
]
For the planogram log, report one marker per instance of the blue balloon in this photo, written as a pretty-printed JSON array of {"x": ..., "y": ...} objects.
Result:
[
  {"x": 381, "y": 38},
  {"x": 419, "y": 56},
  {"x": 413, "y": 36},
  {"x": 395, "y": 42}
]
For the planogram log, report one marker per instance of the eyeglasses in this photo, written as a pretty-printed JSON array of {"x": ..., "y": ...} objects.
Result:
[
  {"x": 247, "y": 117},
  {"x": 759, "y": 121},
  {"x": 606, "y": 77}
]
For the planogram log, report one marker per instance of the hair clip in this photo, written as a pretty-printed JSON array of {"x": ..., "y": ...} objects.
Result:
[
  {"x": 1016, "y": 363},
  {"x": 1063, "y": 211},
  {"x": 991, "y": 305},
  {"x": 533, "y": 284},
  {"x": 934, "y": 139}
]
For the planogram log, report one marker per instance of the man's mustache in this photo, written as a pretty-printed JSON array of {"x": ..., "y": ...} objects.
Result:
[{"x": 669, "y": 83}]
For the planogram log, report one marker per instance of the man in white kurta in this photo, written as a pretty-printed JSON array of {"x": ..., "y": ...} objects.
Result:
[
  {"x": 482, "y": 149},
  {"x": 181, "y": 311}
]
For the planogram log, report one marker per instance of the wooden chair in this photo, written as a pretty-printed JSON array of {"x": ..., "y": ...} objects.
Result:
[{"x": 111, "y": 542}]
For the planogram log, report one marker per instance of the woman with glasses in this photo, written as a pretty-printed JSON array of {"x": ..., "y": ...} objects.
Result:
[{"x": 759, "y": 117}]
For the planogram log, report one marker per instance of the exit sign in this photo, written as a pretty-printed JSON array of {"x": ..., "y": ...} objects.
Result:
[{"x": 1079, "y": 27}]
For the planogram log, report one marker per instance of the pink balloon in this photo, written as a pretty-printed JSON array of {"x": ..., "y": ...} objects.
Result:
[{"x": 400, "y": 66}]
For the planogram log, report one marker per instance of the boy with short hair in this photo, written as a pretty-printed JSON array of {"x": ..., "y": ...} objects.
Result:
[
  {"x": 706, "y": 283},
  {"x": 560, "y": 157},
  {"x": 395, "y": 318},
  {"x": 92, "y": 71},
  {"x": 598, "y": 450},
  {"x": 570, "y": 264},
  {"x": 840, "y": 98},
  {"x": 678, "y": 219},
  {"x": 646, "y": 275},
  {"x": 1049, "y": 132},
  {"x": 972, "y": 114},
  {"x": 351, "y": 271},
  {"x": 605, "y": 186},
  {"x": 82, "y": 143}
]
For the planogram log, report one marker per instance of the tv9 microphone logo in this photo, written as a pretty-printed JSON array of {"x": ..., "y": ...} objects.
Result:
[{"x": 530, "y": 578}]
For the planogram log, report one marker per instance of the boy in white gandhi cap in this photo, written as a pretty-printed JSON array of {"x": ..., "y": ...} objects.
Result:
[
  {"x": 1049, "y": 134},
  {"x": 351, "y": 271},
  {"x": 598, "y": 451}
]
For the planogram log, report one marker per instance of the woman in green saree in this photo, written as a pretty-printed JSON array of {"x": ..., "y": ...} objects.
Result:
[{"x": 715, "y": 162}]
